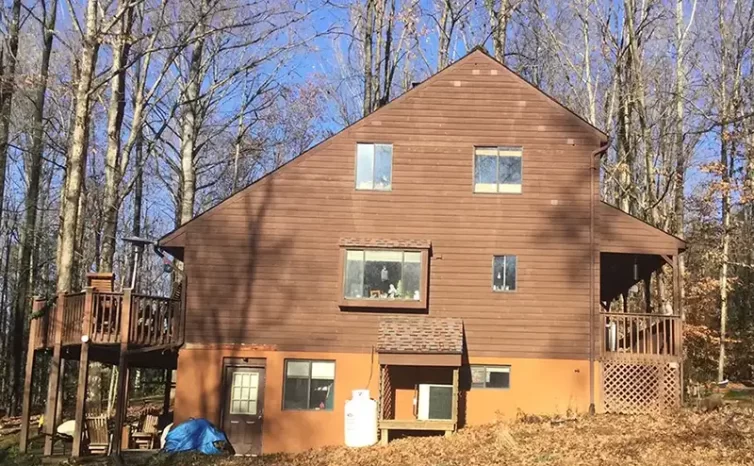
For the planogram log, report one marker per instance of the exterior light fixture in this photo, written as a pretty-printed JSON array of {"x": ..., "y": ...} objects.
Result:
[
  {"x": 636, "y": 268},
  {"x": 84, "y": 338}
]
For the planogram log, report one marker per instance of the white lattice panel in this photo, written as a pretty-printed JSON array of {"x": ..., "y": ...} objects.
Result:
[{"x": 640, "y": 386}]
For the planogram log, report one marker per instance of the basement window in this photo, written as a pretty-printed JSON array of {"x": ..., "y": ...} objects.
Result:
[
  {"x": 308, "y": 385},
  {"x": 497, "y": 169},
  {"x": 504, "y": 273},
  {"x": 374, "y": 167},
  {"x": 491, "y": 377}
]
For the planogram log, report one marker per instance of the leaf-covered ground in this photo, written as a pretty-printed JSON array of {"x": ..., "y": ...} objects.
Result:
[{"x": 719, "y": 438}]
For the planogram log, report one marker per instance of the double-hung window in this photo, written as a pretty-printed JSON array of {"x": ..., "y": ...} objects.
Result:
[
  {"x": 308, "y": 385},
  {"x": 497, "y": 169},
  {"x": 374, "y": 167}
]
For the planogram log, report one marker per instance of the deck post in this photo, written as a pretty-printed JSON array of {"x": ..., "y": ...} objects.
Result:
[
  {"x": 23, "y": 442},
  {"x": 678, "y": 311},
  {"x": 122, "y": 389},
  {"x": 168, "y": 389},
  {"x": 86, "y": 326},
  {"x": 454, "y": 412},
  {"x": 51, "y": 421}
]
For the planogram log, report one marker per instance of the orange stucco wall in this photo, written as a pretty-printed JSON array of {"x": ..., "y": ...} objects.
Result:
[{"x": 538, "y": 386}]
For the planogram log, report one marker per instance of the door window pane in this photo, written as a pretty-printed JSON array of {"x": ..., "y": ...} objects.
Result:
[{"x": 244, "y": 391}]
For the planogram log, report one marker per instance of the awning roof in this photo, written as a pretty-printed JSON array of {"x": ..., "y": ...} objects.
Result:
[
  {"x": 621, "y": 232},
  {"x": 420, "y": 340}
]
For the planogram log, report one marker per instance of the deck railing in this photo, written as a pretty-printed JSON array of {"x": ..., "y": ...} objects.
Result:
[
  {"x": 154, "y": 320},
  {"x": 641, "y": 334}
]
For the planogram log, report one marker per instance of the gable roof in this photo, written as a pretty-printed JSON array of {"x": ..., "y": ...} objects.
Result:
[{"x": 175, "y": 238}]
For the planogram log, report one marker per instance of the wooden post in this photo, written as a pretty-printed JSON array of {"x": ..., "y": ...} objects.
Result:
[
  {"x": 168, "y": 389},
  {"x": 38, "y": 305},
  {"x": 81, "y": 387},
  {"x": 454, "y": 406},
  {"x": 51, "y": 422},
  {"x": 648, "y": 294},
  {"x": 678, "y": 310},
  {"x": 122, "y": 388}
]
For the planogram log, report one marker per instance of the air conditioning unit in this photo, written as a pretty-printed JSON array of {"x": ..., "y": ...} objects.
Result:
[{"x": 435, "y": 402}]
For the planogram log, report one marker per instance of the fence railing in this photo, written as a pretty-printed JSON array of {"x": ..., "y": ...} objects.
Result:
[
  {"x": 641, "y": 334},
  {"x": 154, "y": 320}
]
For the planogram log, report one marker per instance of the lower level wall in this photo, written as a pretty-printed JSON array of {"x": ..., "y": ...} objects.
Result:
[{"x": 538, "y": 386}]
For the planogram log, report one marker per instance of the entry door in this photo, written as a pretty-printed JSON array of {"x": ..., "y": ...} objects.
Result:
[{"x": 244, "y": 405}]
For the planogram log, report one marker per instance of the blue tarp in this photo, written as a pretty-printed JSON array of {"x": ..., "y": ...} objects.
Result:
[{"x": 196, "y": 435}]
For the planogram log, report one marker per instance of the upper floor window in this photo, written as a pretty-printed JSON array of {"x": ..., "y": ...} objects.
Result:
[
  {"x": 384, "y": 277},
  {"x": 374, "y": 167},
  {"x": 497, "y": 169},
  {"x": 504, "y": 273}
]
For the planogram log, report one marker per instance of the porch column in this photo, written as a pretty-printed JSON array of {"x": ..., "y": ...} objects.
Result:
[
  {"x": 678, "y": 310},
  {"x": 122, "y": 388},
  {"x": 648, "y": 294},
  {"x": 86, "y": 326},
  {"x": 51, "y": 410},
  {"x": 30, "y": 356},
  {"x": 454, "y": 401},
  {"x": 168, "y": 389}
]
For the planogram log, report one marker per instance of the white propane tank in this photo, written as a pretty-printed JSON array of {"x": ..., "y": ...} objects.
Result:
[{"x": 361, "y": 420}]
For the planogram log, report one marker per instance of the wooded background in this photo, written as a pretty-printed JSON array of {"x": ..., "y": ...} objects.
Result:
[{"x": 129, "y": 117}]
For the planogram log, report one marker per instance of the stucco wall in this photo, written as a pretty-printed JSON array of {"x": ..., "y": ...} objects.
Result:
[{"x": 541, "y": 386}]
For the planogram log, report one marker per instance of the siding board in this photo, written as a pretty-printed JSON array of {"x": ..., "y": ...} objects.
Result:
[{"x": 263, "y": 266}]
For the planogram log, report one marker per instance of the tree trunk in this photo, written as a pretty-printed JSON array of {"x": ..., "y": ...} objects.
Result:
[
  {"x": 367, "y": 33},
  {"x": 76, "y": 163},
  {"x": 499, "y": 22},
  {"x": 7, "y": 88},
  {"x": 115, "y": 110},
  {"x": 443, "y": 36},
  {"x": 31, "y": 201}
]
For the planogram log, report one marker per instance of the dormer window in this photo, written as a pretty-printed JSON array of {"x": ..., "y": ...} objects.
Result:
[
  {"x": 374, "y": 167},
  {"x": 497, "y": 169}
]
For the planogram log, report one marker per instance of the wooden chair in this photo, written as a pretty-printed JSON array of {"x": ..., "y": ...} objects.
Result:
[
  {"x": 98, "y": 435},
  {"x": 146, "y": 437}
]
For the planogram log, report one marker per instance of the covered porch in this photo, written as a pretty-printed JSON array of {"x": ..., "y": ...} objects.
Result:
[
  {"x": 640, "y": 322},
  {"x": 419, "y": 360},
  {"x": 119, "y": 329}
]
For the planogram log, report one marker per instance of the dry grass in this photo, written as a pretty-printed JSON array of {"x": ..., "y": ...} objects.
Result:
[{"x": 723, "y": 438}]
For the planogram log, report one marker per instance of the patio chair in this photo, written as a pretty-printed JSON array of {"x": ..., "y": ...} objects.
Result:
[
  {"x": 98, "y": 435},
  {"x": 146, "y": 437}
]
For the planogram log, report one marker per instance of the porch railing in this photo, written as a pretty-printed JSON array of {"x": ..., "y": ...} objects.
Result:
[
  {"x": 641, "y": 334},
  {"x": 154, "y": 320}
]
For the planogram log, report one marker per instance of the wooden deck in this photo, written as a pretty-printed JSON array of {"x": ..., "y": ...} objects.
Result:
[{"x": 97, "y": 317}]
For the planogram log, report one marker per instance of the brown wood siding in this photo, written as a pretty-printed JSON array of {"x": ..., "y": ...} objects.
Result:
[
  {"x": 263, "y": 266},
  {"x": 623, "y": 233}
]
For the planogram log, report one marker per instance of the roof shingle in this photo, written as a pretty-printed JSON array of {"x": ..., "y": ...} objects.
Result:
[{"x": 411, "y": 334}]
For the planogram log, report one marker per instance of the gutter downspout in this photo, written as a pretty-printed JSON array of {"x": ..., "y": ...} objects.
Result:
[{"x": 596, "y": 157}]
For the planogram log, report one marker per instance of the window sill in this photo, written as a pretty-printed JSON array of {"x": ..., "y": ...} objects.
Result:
[{"x": 382, "y": 304}]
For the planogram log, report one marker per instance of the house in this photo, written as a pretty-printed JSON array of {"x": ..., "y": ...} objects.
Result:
[{"x": 448, "y": 252}]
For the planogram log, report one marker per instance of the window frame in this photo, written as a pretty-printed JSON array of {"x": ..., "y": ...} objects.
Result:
[
  {"x": 384, "y": 303},
  {"x": 308, "y": 392},
  {"x": 515, "y": 283},
  {"x": 374, "y": 161},
  {"x": 486, "y": 366},
  {"x": 497, "y": 170}
]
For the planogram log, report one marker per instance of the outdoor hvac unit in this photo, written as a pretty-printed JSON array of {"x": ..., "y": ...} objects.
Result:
[{"x": 435, "y": 402}]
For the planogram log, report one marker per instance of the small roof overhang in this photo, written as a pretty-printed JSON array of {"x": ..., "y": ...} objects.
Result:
[
  {"x": 420, "y": 341},
  {"x": 620, "y": 232}
]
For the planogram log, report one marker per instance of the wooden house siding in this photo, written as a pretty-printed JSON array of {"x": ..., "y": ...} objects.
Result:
[{"x": 263, "y": 266}]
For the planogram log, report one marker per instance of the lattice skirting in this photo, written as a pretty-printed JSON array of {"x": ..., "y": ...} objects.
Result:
[{"x": 641, "y": 386}]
